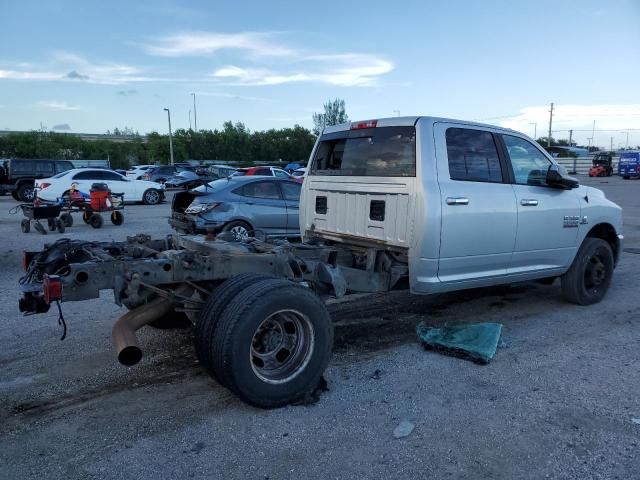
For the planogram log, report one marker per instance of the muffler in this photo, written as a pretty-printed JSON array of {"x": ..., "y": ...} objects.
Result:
[{"x": 123, "y": 335}]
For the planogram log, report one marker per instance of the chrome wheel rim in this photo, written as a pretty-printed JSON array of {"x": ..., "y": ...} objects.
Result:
[
  {"x": 29, "y": 194},
  {"x": 281, "y": 346},
  {"x": 239, "y": 232},
  {"x": 152, "y": 197}
]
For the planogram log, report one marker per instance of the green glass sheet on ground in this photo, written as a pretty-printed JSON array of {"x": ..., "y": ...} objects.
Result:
[{"x": 477, "y": 342}]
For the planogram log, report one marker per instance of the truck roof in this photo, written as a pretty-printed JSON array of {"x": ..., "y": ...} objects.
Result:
[{"x": 407, "y": 122}]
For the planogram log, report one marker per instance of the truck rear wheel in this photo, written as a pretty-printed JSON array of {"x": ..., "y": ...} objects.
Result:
[
  {"x": 26, "y": 193},
  {"x": 589, "y": 276},
  {"x": 216, "y": 303},
  {"x": 272, "y": 343}
]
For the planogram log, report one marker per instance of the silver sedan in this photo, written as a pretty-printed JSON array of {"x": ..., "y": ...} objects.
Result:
[{"x": 240, "y": 205}]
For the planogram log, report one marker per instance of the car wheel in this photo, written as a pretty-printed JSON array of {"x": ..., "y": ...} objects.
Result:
[
  {"x": 588, "y": 279},
  {"x": 213, "y": 308},
  {"x": 272, "y": 343},
  {"x": 239, "y": 229},
  {"x": 151, "y": 197},
  {"x": 26, "y": 193}
]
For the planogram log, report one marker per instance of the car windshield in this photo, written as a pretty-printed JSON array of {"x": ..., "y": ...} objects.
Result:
[{"x": 384, "y": 152}]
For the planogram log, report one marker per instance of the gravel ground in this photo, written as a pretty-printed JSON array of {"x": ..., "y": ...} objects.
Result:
[{"x": 557, "y": 402}]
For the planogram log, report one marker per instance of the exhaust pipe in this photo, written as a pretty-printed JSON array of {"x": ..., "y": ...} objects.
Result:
[{"x": 123, "y": 335}]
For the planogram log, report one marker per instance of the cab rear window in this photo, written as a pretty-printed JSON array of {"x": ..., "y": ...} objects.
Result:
[{"x": 379, "y": 152}]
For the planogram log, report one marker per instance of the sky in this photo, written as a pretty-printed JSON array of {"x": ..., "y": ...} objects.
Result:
[{"x": 80, "y": 66}]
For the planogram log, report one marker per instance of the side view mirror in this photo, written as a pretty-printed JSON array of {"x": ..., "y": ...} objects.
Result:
[{"x": 557, "y": 178}]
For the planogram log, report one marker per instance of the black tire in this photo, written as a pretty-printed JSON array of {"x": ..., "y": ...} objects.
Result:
[
  {"x": 86, "y": 216},
  {"x": 25, "y": 225},
  {"x": 237, "y": 227},
  {"x": 95, "y": 220},
  {"x": 151, "y": 197},
  {"x": 214, "y": 306},
  {"x": 67, "y": 219},
  {"x": 247, "y": 325},
  {"x": 117, "y": 218},
  {"x": 588, "y": 279},
  {"x": 60, "y": 225},
  {"x": 26, "y": 193}
]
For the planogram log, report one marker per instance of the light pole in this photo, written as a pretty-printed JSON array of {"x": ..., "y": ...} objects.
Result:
[
  {"x": 195, "y": 115},
  {"x": 535, "y": 129},
  {"x": 626, "y": 144},
  {"x": 189, "y": 119},
  {"x": 170, "y": 139}
]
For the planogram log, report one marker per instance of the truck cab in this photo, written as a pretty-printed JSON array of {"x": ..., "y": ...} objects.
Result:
[{"x": 461, "y": 203}]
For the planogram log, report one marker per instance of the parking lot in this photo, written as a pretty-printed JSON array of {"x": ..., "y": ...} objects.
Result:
[{"x": 559, "y": 400}]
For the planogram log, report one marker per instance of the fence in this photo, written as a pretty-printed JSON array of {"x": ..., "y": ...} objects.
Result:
[{"x": 581, "y": 165}]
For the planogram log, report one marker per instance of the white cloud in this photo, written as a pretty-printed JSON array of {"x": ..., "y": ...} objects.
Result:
[
  {"x": 349, "y": 70},
  {"x": 69, "y": 67},
  {"x": 208, "y": 43},
  {"x": 611, "y": 121},
  {"x": 234, "y": 96},
  {"x": 55, "y": 105}
]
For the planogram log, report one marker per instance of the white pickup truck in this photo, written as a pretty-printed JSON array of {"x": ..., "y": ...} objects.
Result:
[{"x": 421, "y": 203}]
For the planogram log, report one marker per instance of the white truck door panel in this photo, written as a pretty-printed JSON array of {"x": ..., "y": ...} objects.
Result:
[
  {"x": 479, "y": 219},
  {"x": 548, "y": 217}
]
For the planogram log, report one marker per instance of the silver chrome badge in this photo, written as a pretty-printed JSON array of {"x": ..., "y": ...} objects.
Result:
[{"x": 571, "y": 221}]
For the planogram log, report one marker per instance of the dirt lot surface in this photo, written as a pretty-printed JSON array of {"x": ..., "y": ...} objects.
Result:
[{"x": 559, "y": 401}]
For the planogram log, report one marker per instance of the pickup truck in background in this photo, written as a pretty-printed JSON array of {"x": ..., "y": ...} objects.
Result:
[
  {"x": 17, "y": 176},
  {"x": 420, "y": 203}
]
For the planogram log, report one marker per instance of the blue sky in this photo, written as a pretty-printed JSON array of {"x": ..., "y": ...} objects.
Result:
[{"x": 270, "y": 64}]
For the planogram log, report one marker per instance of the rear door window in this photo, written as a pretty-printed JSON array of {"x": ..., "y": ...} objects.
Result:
[
  {"x": 382, "y": 152},
  {"x": 260, "y": 190},
  {"x": 291, "y": 190},
  {"x": 473, "y": 156},
  {"x": 44, "y": 169}
]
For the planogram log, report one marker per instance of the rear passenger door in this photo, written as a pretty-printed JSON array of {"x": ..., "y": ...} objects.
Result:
[
  {"x": 264, "y": 207},
  {"x": 291, "y": 194},
  {"x": 544, "y": 240},
  {"x": 479, "y": 216}
]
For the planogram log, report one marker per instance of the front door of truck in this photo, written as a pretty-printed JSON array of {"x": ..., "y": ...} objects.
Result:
[
  {"x": 548, "y": 217},
  {"x": 479, "y": 215}
]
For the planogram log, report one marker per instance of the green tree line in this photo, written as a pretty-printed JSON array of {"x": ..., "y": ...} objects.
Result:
[{"x": 234, "y": 142}]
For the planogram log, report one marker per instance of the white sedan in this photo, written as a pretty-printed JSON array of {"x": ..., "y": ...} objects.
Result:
[
  {"x": 51, "y": 189},
  {"x": 137, "y": 171}
]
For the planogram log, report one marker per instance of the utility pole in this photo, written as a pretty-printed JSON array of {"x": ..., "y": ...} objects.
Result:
[
  {"x": 611, "y": 147},
  {"x": 593, "y": 131},
  {"x": 535, "y": 129},
  {"x": 189, "y": 119},
  {"x": 170, "y": 139},
  {"x": 550, "y": 122},
  {"x": 195, "y": 115},
  {"x": 627, "y": 143},
  {"x": 570, "y": 137}
]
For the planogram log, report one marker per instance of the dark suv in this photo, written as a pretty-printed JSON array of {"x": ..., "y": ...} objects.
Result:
[
  {"x": 162, "y": 173},
  {"x": 17, "y": 175}
]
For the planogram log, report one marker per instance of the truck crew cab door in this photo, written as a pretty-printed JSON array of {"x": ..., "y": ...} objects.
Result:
[
  {"x": 479, "y": 215},
  {"x": 548, "y": 217}
]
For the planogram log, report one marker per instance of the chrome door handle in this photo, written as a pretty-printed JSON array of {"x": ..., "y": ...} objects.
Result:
[
  {"x": 529, "y": 202},
  {"x": 457, "y": 201}
]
